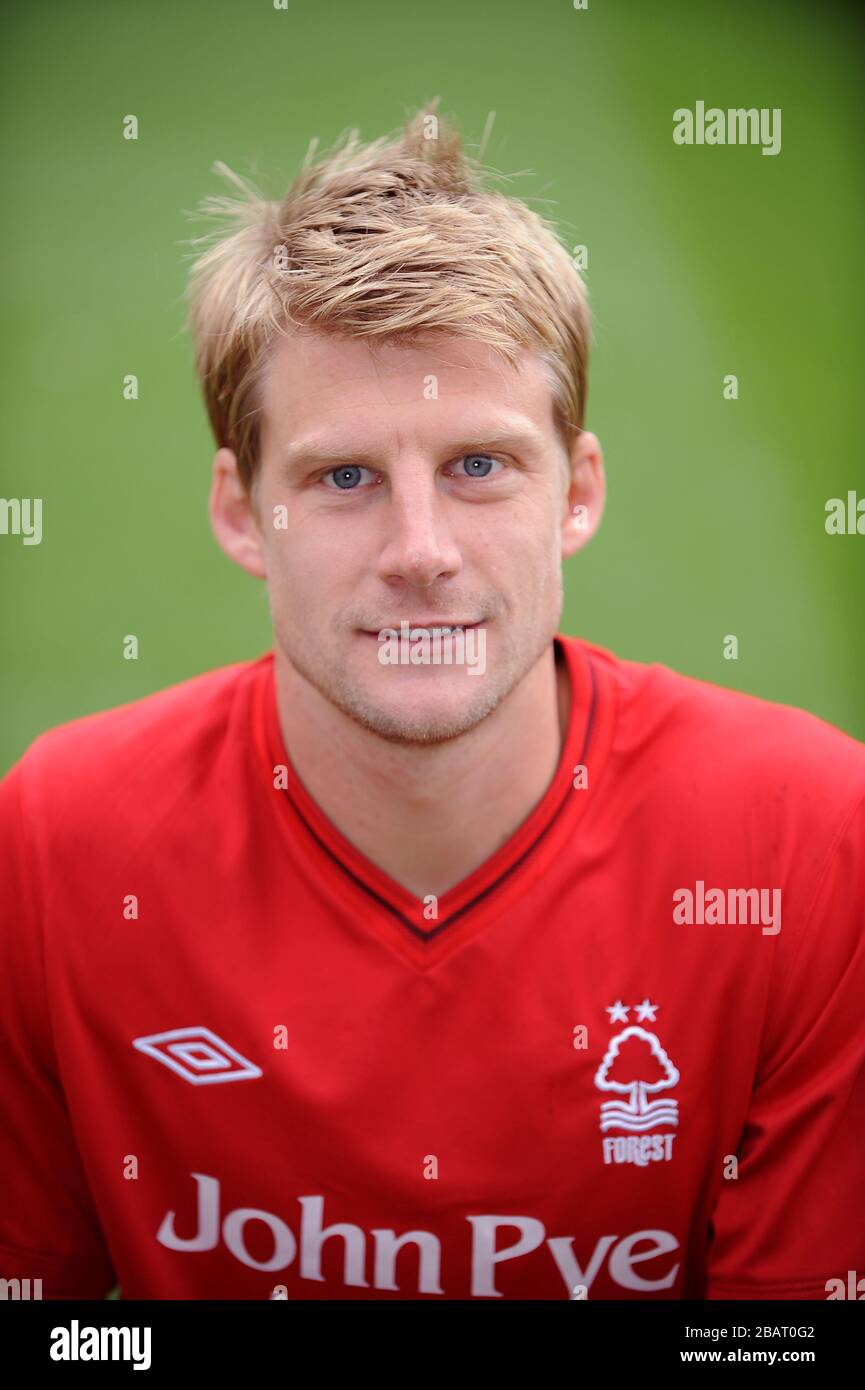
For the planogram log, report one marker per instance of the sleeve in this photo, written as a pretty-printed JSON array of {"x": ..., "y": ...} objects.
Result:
[
  {"x": 48, "y": 1226},
  {"x": 795, "y": 1216}
]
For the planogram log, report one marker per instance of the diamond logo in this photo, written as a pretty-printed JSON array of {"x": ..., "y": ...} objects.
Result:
[{"x": 201, "y": 1057}]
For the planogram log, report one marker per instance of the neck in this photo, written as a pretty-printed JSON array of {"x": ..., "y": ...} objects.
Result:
[{"x": 398, "y": 805}]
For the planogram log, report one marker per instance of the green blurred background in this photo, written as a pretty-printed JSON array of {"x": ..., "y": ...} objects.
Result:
[{"x": 702, "y": 262}]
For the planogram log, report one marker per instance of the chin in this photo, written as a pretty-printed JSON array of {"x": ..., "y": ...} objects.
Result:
[{"x": 420, "y": 722}]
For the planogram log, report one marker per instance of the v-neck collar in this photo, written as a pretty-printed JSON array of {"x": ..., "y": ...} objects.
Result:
[{"x": 383, "y": 902}]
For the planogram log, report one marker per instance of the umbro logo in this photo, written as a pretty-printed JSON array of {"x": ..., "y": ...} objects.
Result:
[{"x": 201, "y": 1057}]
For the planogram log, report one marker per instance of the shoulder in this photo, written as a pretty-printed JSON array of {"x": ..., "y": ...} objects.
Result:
[
  {"x": 730, "y": 780},
  {"x": 710, "y": 731},
  {"x": 143, "y": 753}
]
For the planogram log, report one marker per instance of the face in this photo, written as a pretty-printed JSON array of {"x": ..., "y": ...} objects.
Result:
[{"x": 418, "y": 485}]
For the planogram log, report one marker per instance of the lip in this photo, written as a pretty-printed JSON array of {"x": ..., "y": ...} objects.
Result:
[{"x": 423, "y": 626}]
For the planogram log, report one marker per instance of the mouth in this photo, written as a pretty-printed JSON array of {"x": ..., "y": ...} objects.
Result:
[{"x": 422, "y": 629}]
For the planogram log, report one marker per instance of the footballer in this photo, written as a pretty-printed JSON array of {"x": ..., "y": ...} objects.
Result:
[{"x": 434, "y": 954}]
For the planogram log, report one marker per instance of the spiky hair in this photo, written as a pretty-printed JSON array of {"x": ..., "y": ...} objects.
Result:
[{"x": 398, "y": 240}]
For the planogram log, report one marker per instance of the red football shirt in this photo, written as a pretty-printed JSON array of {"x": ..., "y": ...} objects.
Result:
[{"x": 627, "y": 1053}]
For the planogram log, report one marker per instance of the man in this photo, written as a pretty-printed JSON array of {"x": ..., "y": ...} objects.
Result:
[{"x": 435, "y": 954}]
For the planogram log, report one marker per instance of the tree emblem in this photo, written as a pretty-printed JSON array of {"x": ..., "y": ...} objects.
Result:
[{"x": 636, "y": 1064}]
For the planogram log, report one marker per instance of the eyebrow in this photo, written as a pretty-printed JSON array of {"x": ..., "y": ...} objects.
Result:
[{"x": 323, "y": 451}]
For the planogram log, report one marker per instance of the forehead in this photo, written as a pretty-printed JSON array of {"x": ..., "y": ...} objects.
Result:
[{"x": 312, "y": 378}]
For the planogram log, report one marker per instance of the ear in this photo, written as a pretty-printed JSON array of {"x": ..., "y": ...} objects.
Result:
[
  {"x": 233, "y": 518},
  {"x": 586, "y": 493}
]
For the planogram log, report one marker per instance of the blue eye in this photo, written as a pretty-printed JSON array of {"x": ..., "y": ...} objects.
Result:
[
  {"x": 478, "y": 465},
  {"x": 346, "y": 477}
]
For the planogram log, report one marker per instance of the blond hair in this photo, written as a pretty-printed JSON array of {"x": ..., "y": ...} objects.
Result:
[{"x": 398, "y": 239}]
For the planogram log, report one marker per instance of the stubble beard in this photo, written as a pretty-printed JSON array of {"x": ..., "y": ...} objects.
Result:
[{"x": 425, "y": 730}]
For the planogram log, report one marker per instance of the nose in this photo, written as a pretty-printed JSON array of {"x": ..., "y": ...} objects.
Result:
[{"x": 419, "y": 547}]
